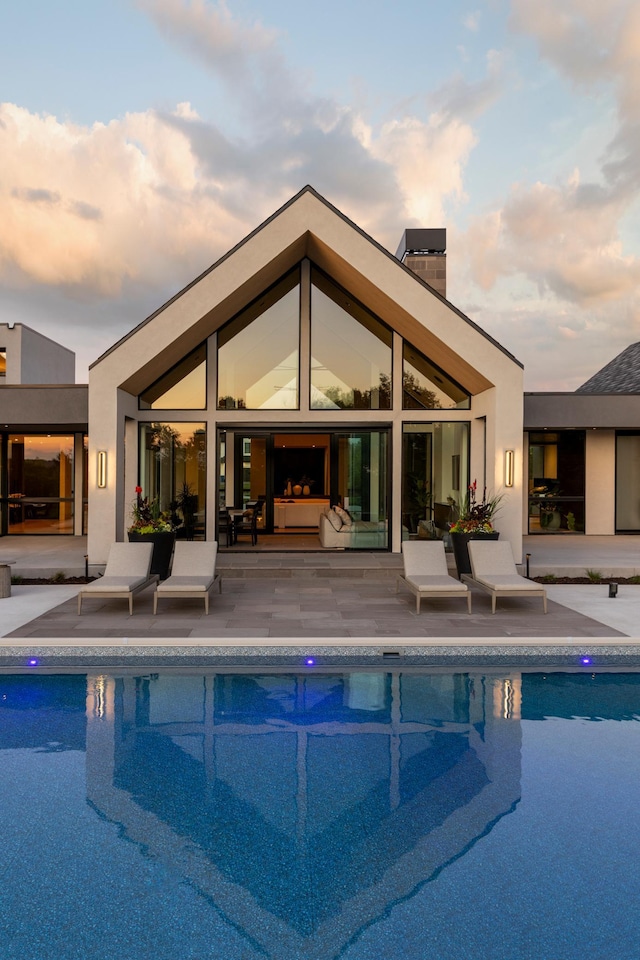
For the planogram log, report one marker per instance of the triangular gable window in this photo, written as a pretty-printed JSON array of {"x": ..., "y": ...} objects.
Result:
[
  {"x": 350, "y": 351},
  {"x": 426, "y": 387},
  {"x": 184, "y": 387},
  {"x": 258, "y": 352}
]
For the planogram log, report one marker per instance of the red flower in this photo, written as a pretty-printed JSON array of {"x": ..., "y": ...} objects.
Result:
[{"x": 138, "y": 489}]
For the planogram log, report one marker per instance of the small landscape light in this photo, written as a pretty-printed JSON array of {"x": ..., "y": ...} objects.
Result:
[{"x": 613, "y": 590}]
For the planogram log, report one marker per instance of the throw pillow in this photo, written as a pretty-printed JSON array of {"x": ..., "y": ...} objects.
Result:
[
  {"x": 344, "y": 516},
  {"x": 334, "y": 519}
]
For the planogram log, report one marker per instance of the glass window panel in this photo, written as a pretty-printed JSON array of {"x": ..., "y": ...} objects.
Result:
[
  {"x": 350, "y": 352},
  {"x": 426, "y": 387},
  {"x": 258, "y": 352},
  {"x": 173, "y": 461},
  {"x": 627, "y": 482},
  {"x": 184, "y": 387},
  {"x": 435, "y": 472},
  {"x": 40, "y": 486},
  {"x": 363, "y": 487},
  {"x": 3, "y": 363},
  {"x": 556, "y": 482}
]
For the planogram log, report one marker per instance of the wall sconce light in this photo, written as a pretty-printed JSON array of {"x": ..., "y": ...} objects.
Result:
[
  {"x": 102, "y": 468},
  {"x": 508, "y": 468}
]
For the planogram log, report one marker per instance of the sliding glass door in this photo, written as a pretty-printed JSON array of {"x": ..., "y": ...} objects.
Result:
[{"x": 360, "y": 481}]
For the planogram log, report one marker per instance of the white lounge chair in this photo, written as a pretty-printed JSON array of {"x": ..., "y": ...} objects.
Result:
[
  {"x": 193, "y": 573},
  {"x": 426, "y": 573},
  {"x": 126, "y": 573},
  {"x": 493, "y": 569}
]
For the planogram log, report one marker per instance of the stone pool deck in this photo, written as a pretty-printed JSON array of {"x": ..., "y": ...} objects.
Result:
[
  {"x": 286, "y": 620},
  {"x": 333, "y": 605}
]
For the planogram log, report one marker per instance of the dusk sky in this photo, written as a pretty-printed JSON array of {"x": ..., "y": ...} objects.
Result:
[{"x": 139, "y": 141}]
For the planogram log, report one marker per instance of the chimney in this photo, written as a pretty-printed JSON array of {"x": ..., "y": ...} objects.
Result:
[{"x": 423, "y": 250}]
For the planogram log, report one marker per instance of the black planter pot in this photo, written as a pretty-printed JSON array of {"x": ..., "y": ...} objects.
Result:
[
  {"x": 459, "y": 542},
  {"x": 162, "y": 550}
]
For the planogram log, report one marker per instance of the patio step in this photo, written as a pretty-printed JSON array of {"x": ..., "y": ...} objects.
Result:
[{"x": 307, "y": 566}]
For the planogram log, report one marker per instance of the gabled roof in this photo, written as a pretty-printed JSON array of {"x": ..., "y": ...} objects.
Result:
[
  {"x": 299, "y": 229},
  {"x": 620, "y": 375}
]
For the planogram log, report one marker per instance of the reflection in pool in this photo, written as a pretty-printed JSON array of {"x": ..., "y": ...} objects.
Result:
[{"x": 334, "y": 813}]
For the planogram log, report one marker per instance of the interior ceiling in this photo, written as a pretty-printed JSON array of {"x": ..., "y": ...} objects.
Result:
[
  {"x": 301, "y": 440},
  {"x": 361, "y": 287}
]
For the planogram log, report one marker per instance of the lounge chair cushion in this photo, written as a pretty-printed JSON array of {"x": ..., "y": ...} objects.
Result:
[
  {"x": 109, "y": 584},
  {"x": 427, "y": 583},
  {"x": 185, "y": 584},
  {"x": 507, "y": 581}
]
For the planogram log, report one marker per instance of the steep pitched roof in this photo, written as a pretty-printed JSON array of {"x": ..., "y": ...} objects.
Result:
[
  {"x": 620, "y": 375},
  {"x": 307, "y": 226}
]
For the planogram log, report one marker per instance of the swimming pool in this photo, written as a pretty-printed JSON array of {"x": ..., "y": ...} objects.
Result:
[{"x": 366, "y": 814}]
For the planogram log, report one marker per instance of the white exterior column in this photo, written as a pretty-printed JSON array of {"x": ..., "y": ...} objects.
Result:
[{"x": 600, "y": 482}]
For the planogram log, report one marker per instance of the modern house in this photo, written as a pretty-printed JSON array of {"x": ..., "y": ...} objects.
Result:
[
  {"x": 308, "y": 367},
  {"x": 43, "y": 436}
]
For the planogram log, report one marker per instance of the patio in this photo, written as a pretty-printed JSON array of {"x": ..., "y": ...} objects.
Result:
[{"x": 337, "y": 597}]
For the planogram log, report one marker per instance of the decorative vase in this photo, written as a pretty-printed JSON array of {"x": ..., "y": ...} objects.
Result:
[
  {"x": 288, "y": 490},
  {"x": 297, "y": 490},
  {"x": 162, "y": 549},
  {"x": 306, "y": 490},
  {"x": 460, "y": 541}
]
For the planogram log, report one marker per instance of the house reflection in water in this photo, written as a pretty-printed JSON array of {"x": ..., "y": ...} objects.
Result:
[{"x": 304, "y": 806}]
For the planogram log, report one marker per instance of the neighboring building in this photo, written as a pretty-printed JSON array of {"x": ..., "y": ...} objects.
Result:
[
  {"x": 43, "y": 428},
  {"x": 584, "y": 453},
  {"x": 308, "y": 357}
]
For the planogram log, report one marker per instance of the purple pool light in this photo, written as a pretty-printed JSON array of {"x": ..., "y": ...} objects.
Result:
[
  {"x": 33, "y": 661},
  {"x": 310, "y": 662},
  {"x": 586, "y": 660}
]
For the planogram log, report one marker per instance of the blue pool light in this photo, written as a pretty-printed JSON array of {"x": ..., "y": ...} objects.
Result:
[
  {"x": 310, "y": 662},
  {"x": 33, "y": 661},
  {"x": 586, "y": 660}
]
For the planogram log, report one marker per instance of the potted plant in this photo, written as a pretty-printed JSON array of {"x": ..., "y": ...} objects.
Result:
[
  {"x": 150, "y": 525},
  {"x": 474, "y": 523}
]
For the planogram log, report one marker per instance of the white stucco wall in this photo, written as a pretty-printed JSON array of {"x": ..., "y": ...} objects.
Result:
[
  {"x": 34, "y": 358},
  {"x": 600, "y": 482}
]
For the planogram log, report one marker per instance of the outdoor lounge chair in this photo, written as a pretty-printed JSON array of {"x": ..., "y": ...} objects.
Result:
[
  {"x": 426, "y": 573},
  {"x": 493, "y": 570},
  {"x": 193, "y": 572},
  {"x": 126, "y": 573}
]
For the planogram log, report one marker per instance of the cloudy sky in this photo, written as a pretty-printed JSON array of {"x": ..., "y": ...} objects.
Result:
[{"x": 141, "y": 139}]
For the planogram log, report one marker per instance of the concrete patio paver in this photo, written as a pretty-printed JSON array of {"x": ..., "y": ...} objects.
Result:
[{"x": 346, "y": 610}]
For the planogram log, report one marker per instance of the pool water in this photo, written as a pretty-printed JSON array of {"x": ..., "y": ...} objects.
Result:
[{"x": 391, "y": 814}]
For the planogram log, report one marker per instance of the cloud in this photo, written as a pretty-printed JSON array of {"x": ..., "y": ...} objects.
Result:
[
  {"x": 244, "y": 55},
  {"x": 98, "y": 209},
  {"x": 564, "y": 238},
  {"x": 472, "y": 21},
  {"x": 465, "y": 99},
  {"x": 91, "y": 208},
  {"x": 35, "y": 196}
]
